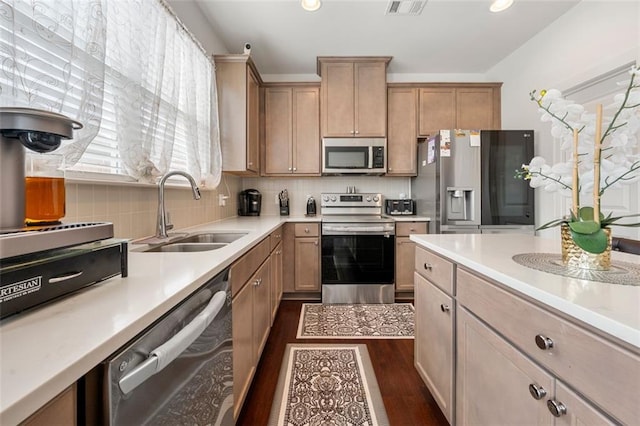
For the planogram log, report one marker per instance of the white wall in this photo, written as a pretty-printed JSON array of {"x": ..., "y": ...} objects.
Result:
[
  {"x": 194, "y": 19},
  {"x": 589, "y": 40}
]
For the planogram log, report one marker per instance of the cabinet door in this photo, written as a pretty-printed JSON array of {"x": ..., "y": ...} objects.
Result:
[
  {"x": 61, "y": 410},
  {"x": 474, "y": 108},
  {"x": 493, "y": 379},
  {"x": 337, "y": 101},
  {"x": 276, "y": 280},
  {"x": 370, "y": 79},
  {"x": 578, "y": 411},
  {"x": 307, "y": 264},
  {"x": 261, "y": 284},
  {"x": 278, "y": 130},
  {"x": 243, "y": 354},
  {"x": 405, "y": 255},
  {"x": 434, "y": 342},
  {"x": 306, "y": 130},
  {"x": 402, "y": 140},
  {"x": 437, "y": 110},
  {"x": 253, "y": 122}
]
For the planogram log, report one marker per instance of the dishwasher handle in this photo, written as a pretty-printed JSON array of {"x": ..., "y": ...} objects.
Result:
[{"x": 164, "y": 354}]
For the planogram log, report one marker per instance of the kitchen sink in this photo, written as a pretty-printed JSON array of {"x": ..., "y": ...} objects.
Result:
[
  {"x": 212, "y": 237},
  {"x": 186, "y": 247}
]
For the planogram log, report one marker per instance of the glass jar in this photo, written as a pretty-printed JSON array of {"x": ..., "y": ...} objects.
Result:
[{"x": 45, "y": 198}]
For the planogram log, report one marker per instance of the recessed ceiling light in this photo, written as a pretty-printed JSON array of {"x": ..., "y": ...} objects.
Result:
[
  {"x": 310, "y": 5},
  {"x": 498, "y": 5}
]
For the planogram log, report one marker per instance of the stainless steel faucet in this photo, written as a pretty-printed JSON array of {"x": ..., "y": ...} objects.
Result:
[{"x": 163, "y": 223}]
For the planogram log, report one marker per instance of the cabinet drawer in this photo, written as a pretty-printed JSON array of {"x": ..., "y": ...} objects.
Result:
[
  {"x": 435, "y": 268},
  {"x": 404, "y": 229},
  {"x": 275, "y": 238},
  {"x": 307, "y": 229},
  {"x": 244, "y": 267},
  {"x": 602, "y": 371}
]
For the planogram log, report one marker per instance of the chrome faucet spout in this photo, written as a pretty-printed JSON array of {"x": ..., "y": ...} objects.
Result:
[{"x": 163, "y": 223}]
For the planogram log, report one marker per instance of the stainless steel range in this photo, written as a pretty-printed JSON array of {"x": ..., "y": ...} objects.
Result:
[{"x": 358, "y": 249}]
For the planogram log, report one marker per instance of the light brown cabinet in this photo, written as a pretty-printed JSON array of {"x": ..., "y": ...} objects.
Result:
[
  {"x": 542, "y": 368},
  {"x": 307, "y": 257},
  {"x": 433, "y": 348},
  {"x": 405, "y": 253},
  {"x": 251, "y": 279},
  {"x": 292, "y": 130},
  {"x": 402, "y": 123},
  {"x": 459, "y": 106},
  {"x": 238, "y": 86},
  {"x": 61, "y": 410},
  {"x": 353, "y": 96}
]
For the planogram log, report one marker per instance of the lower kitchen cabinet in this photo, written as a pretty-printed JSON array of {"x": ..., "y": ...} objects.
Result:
[
  {"x": 276, "y": 279},
  {"x": 405, "y": 253},
  {"x": 251, "y": 312},
  {"x": 61, "y": 410},
  {"x": 496, "y": 358},
  {"x": 434, "y": 342},
  {"x": 301, "y": 253}
]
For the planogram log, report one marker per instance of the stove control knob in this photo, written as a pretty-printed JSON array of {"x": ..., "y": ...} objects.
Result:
[
  {"x": 376, "y": 198},
  {"x": 368, "y": 199},
  {"x": 325, "y": 198},
  {"x": 333, "y": 198}
]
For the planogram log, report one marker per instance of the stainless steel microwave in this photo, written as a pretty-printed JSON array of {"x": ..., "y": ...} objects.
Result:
[{"x": 354, "y": 156}]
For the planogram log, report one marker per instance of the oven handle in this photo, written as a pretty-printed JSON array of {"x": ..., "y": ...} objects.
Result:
[
  {"x": 351, "y": 230},
  {"x": 164, "y": 354}
]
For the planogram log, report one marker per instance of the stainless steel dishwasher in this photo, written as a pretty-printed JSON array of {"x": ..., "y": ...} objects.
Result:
[{"x": 180, "y": 370}]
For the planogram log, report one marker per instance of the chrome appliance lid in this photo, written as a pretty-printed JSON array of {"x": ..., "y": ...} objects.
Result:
[{"x": 33, "y": 239}]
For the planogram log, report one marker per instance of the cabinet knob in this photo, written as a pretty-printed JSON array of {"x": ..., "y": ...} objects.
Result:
[
  {"x": 428, "y": 266},
  {"x": 389, "y": 169},
  {"x": 445, "y": 308},
  {"x": 537, "y": 391},
  {"x": 557, "y": 408},
  {"x": 357, "y": 132},
  {"x": 295, "y": 168},
  {"x": 251, "y": 163},
  {"x": 315, "y": 243},
  {"x": 306, "y": 230},
  {"x": 289, "y": 168},
  {"x": 412, "y": 229},
  {"x": 544, "y": 342}
]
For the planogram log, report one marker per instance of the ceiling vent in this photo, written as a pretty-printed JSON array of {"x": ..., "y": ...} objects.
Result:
[{"x": 405, "y": 7}]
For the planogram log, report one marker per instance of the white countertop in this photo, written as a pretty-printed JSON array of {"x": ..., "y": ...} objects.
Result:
[
  {"x": 612, "y": 309},
  {"x": 409, "y": 218},
  {"x": 47, "y": 349}
]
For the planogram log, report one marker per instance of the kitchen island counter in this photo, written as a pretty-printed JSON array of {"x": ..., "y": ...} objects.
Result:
[
  {"x": 45, "y": 350},
  {"x": 611, "y": 310}
]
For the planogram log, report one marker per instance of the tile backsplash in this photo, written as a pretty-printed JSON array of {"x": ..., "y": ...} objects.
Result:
[
  {"x": 299, "y": 188},
  {"x": 133, "y": 209}
]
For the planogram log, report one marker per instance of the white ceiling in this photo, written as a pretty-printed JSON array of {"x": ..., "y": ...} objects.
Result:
[{"x": 450, "y": 36}]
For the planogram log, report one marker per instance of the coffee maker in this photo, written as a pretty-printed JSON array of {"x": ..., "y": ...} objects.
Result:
[{"x": 249, "y": 202}]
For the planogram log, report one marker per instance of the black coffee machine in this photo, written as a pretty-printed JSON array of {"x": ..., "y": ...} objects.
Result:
[{"x": 249, "y": 202}]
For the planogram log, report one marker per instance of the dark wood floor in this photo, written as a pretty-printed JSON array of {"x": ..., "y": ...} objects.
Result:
[{"x": 406, "y": 398}]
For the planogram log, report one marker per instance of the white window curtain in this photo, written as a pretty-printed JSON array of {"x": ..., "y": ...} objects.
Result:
[{"x": 151, "y": 93}]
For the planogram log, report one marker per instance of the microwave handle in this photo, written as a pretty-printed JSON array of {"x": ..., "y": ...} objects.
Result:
[{"x": 370, "y": 158}]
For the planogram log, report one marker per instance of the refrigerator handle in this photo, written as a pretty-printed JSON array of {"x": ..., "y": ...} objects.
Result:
[{"x": 164, "y": 354}]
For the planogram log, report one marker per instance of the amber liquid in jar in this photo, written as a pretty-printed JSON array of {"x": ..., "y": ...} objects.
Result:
[{"x": 44, "y": 200}]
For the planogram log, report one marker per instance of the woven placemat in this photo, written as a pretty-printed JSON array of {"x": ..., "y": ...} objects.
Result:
[{"x": 623, "y": 273}]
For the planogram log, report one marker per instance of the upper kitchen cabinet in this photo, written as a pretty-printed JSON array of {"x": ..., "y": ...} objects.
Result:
[
  {"x": 353, "y": 96},
  {"x": 402, "y": 123},
  {"x": 459, "y": 106},
  {"x": 238, "y": 83},
  {"x": 292, "y": 130}
]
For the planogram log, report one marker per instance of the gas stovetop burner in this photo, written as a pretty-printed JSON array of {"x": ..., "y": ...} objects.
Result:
[{"x": 32, "y": 239}]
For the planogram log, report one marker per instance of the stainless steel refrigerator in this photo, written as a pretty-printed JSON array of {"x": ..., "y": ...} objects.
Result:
[{"x": 466, "y": 182}]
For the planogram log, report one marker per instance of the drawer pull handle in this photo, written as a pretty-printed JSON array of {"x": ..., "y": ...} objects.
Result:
[
  {"x": 306, "y": 230},
  {"x": 537, "y": 391},
  {"x": 544, "y": 342},
  {"x": 445, "y": 308},
  {"x": 428, "y": 266},
  {"x": 557, "y": 408},
  {"x": 257, "y": 282}
]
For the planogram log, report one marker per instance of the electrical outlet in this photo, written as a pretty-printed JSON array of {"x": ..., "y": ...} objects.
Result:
[{"x": 222, "y": 200}]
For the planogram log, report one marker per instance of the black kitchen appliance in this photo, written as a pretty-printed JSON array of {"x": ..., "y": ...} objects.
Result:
[
  {"x": 249, "y": 202},
  {"x": 399, "y": 207},
  {"x": 311, "y": 206}
]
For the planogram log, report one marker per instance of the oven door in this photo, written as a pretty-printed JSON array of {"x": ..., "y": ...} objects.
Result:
[{"x": 358, "y": 259}]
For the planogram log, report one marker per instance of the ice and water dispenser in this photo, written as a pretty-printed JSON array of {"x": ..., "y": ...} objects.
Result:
[{"x": 460, "y": 204}]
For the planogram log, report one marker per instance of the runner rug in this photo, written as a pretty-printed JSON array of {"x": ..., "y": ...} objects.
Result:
[
  {"x": 327, "y": 385},
  {"x": 358, "y": 321}
]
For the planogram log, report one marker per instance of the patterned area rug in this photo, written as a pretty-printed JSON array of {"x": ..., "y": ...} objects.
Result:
[
  {"x": 358, "y": 321},
  {"x": 327, "y": 385}
]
